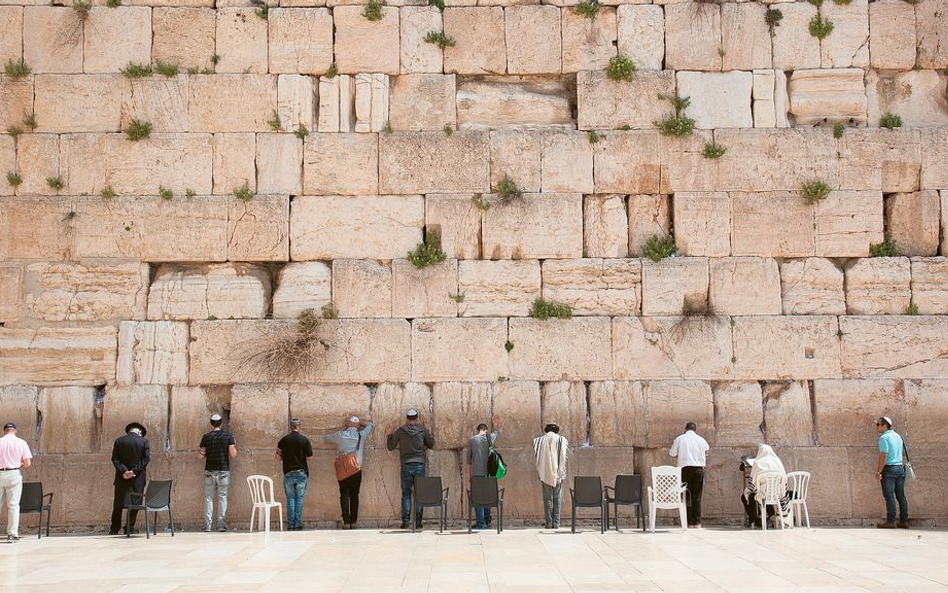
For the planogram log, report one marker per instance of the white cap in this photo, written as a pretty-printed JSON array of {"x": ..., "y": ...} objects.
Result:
[
  {"x": 215, "y": 417},
  {"x": 887, "y": 421},
  {"x": 412, "y": 413},
  {"x": 354, "y": 419}
]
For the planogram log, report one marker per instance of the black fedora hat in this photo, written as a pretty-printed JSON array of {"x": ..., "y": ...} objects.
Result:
[{"x": 131, "y": 425}]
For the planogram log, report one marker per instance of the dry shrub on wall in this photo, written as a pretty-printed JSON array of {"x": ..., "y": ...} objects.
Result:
[{"x": 285, "y": 351}]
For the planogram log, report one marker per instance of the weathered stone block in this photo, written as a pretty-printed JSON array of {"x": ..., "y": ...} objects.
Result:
[
  {"x": 296, "y": 102},
  {"x": 17, "y": 97},
  {"x": 322, "y": 409},
  {"x": 907, "y": 347},
  {"x": 258, "y": 230},
  {"x": 606, "y": 287},
  {"x": 241, "y": 40},
  {"x": 34, "y": 228},
  {"x": 537, "y": 226},
  {"x": 191, "y": 408},
  {"x": 55, "y": 43},
  {"x": 812, "y": 286},
  {"x": 617, "y": 414},
  {"x": 931, "y": 33},
  {"x": 542, "y": 348},
  {"x": 425, "y": 292},
  {"x": 457, "y": 221},
  {"x": 934, "y": 151},
  {"x": 846, "y": 410},
  {"x": 606, "y": 226},
  {"x": 18, "y": 403},
  {"x": 147, "y": 404},
  {"x": 745, "y": 286},
  {"x": 878, "y": 286},
  {"x": 184, "y": 36},
  {"x": 788, "y": 413},
  {"x": 745, "y": 39},
  {"x": 672, "y": 404},
  {"x": 588, "y": 44},
  {"x": 176, "y": 161},
  {"x": 769, "y": 225},
  {"x": 501, "y": 288},
  {"x": 493, "y": 104},
  {"x": 738, "y": 414},
  {"x": 718, "y": 100},
  {"x": 37, "y": 159},
  {"x": 371, "y": 102},
  {"x": 794, "y": 47},
  {"x": 431, "y": 162},
  {"x": 300, "y": 40},
  {"x": 11, "y": 286},
  {"x": 232, "y": 102},
  {"x": 930, "y": 285},
  {"x": 534, "y": 39},
  {"x": 279, "y": 164},
  {"x": 820, "y": 96},
  {"x": 642, "y": 35},
  {"x": 69, "y": 422},
  {"x": 684, "y": 166},
  {"x": 234, "y": 162},
  {"x": 692, "y": 37},
  {"x": 422, "y": 102},
  {"x": 258, "y": 415},
  {"x": 649, "y": 216},
  {"x": 672, "y": 285},
  {"x": 152, "y": 353},
  {"x": 476, "y": 346},
  {"x": 913, "y": 222},
  {"x": 111, "y": 38},
  {"x": 848, "y": 223},
  {"x": 671, "y": 348},
  {"x": 322, "y": 227},
  {"x": 567, "y": 162},
  {"x": 11, "y": 45},
  {"x": 829, "y": 486},
  {"x": 341, "y": 164},
  {"x": 873, "y": 158},
  {"x": 628, "y": 162},
  {"x": 702, "y": 223},
  {"x": 48, "y": 356},
  {"x": 161, "y": 101},
  {"x": 8, "y": 162},
  {"x": 417, "y": 55},
  {"x": 81, "y": 293},
  {"x": 924, "y": 410},
  {"x": 336, "y": 104},
  {"x": 848, "y": 45},
  {"x": 458, "y": 409},
  {"x": 361, "y": 288},
  {"x": 358, "y": 40},
  {"x": 796, "y": 347},
  {"x": 481, "y": 40},
  {"x": 82, "y": 162},
  {"x": 918, "y": 97},
  {"x": 604, "y": 103},
  {"x": 773, "y": 160},
  {"x": 564, "y": 403},
  {"x": 516, "y": 407},
  {"x": 301, "y": 286},
  {"x": 516, "y": 153},
  {"x": 222, "y": 291},
  {"x": 389, "y": 405},
  {"x": 891, "y": 34}
]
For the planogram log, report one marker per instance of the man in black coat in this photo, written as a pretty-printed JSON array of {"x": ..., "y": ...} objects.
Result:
[{"x": 130, "y": 456}]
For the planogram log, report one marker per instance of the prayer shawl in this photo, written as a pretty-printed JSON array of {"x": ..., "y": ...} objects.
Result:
[{"x": 550, "y": 450}]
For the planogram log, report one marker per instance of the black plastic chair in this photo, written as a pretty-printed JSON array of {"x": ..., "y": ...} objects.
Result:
[
  {"x": 427, "y": 492},
  {"x": 484, "y": 493},
  {"x": 627, "y": 491},
  {"x": 32, "y": 500},
  {"x": 587, "y": 492},
  {"x": 157, "y": 498}
]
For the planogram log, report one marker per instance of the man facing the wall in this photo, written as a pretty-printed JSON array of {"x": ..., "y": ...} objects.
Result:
[
  {"x": 411, "y": 439},
  {"x": 14, "y": 456},
  {"x": 691, "y": 450},
  {"x": 217, "y": 449},
  {"x": 130, "y": 457},
  {"x": 293, "y": 450}
]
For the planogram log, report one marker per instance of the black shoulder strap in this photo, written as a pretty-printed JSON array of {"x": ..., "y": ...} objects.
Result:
[{"x": 905, "y": 450}]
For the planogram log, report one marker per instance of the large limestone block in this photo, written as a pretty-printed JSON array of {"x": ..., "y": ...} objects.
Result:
[
  {"x": 258, "y": 415},
  {"x": 147, "y": 404},
  {"x": 34, "y": 228},
  {"x": 784, "y": 347},
  {"x": 232, "y": 102},
  {"x": 358, "y": 41},
  {"x": 812, "y": 286},
  {"x": 738, "y": 413},
  {"x": 422, "y": 102},
  {"x": 775, "y": 224},
  {"x": 913, "y": 222},
  {"x": 18, "y": 404},
  {"x": 518, "y": 154},
  {"x": 878, "y": 286},
  {"x": 363, "y": 350},
  {"x": 693, "y": 36},
  {"x": 918, "y": 97},
  {"x": 455, "y": 219},
  {"x": 606, "y": 226},
  {"x": 848, "y": 223},
  {"x": 46, "y": 356},
  {"x": 476, "y": 347},
  {"x": 322, "y": 409},
  {"x": 432, "y": 162},
  {"x": 924, "y": 410},
  {"x": 184, "y": 35},
  {"x": 609, "y": 287},
  {"x": 874, "y": 158},
  {"x": 322, "y": 227},
  {"x": 37, "y": 160},
  {"x": 371, "y": 102},
  {"x": 891, "y": 34},
  {"x": 718, "y": 100},
  {"x": 175, "y": 161},
  {"x": 567, "y": 162},
  {"x": 344, "y": 164},
  {"x": 672, "y": 404},
  {"x": 745, "y": 286},
  {"x": 930, "y": 285},
  {"x": 69, "y": 422},
  {"x": 564, "y": 402},
  {"x": 111, "y": 38},
  {"x": 588, "y": 44},
  {"x": 673, "y": 285},
  {"x": 17, "y": 97},
  {"x": 11, "y": 285},
  {"x": 607, "y": 464},
  {"x": 648, "y": 216},
  {"x": 848, "y": 45},
  {"x": 481, "y": 46},
  {"x": 830, "y": 488},
  {"x": 222, "y": 291},
  {"x": 604, "y": 103},
  {"x": 534, "y": 39},
  {"x": 671, "y": 348},
  {"x": 11, "y": 41},
  {"x": 820, "y": 96},
  {"x": 241, "y": 39},
  {"x": 258, "y": 230},
  {"x": 234, "y": 162},
  {"x": 458, "y": 409},
  {"x": 537, "y": 226},
  {"x": 934, "y": 149},
  {"x": 794, "y": 47},
  {"x": 69, "y": 103},
  {"x": 720, "y": 485},
  {"x": 846, "y": 410},
  {"x": 279, "y": 164},
  {"x": 389, "y": 404},
  {"x": 543, "y": 349},
  {"x": 418, "y": 56},
  {"x": 494, "y": 104},
  {"x": 516, "y": 412},
  {"x": 778, "y": 159},
  {"x": 907, "y": 347},
  {"x": 300, "y": 40},
  {"x": 296, "y": 102},
  {"x": 152, "y": 353},
  {"x": 788, "y": 413},
  {"x": 617, "y": 414},
  {"x": 641, "y": 33},
  {"x": 162, "y": 101},
  {"x": 684, "y": 166},
  {"x": 931, "y": 32},
  {"x": 361, "y": 288},
  {"x": 191, "y": 409},
  {"x": 82, "y": 162},
  {"x": 745, "y": 39},
  {"x": 504, "y": 288},
  {"x": 702, "y": 223},
  {"x": 85, "y": 292},
  {"x": 523, "y": 499},
  {"x": 55, "y": 39},
  {"x": 628, "y": 162},
  {"x": 425, "y": 292},
  {"x": 336, "y": 103},
  {"x": 301, "y": 286}
]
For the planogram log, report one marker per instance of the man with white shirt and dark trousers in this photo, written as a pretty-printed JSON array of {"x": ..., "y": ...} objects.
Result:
[{"x": 692, "y": 453}]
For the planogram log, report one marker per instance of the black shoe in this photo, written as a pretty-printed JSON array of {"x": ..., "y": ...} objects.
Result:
[
  {"x": 113, "y": 532},
  {"x": 902, "y": 525},
  {"x": 404, "y": 526},
  {"x": 886, "y": 525},
  {"x": 419, "y": 527}
]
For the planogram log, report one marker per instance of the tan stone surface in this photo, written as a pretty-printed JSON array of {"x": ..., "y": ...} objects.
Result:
[
  {"x": 605, "y": 226},
  {"x": 931, "y": 33},
  {"x": 692, "y": 37},
  {"x": 279, "y": 164},
  {"x": 301, "y": 286},
  {"x": 389, "y": 404},
  {"x": 495, "y": 104},
  {"x": 161, "y": 101},
  {"x": 54, "y": 292},
  {"x": 930, "y": 285},
  {"x": 812, "y": 286},
  {"x": 17, "y": 97},
  {"x": 501, "y": 288},
  {"x": 111, "y": 38},
  {"x": 672, "y": 404},
  {"x": 422, "y": 102},
  {"x": 184, "y": 36},
  {"x": 605, "y": 287},
  {"x": 567, "y": 162},
  {"x": 11, "y": 45},
  {"x": 604, "y": 103},
  {"x": 82, "y": 163},
  {"x": 788, "y": 413},
  {"x": 775, "y": 160},
  {"x": 258, "y": 415},
  {"x": 641, "y": 33},
  {"x": 336, "y": 104},
  {"x": 322, "y": 409},
  {"x": 588, "y": 44},
  {"x": 918, "y": 97},
  {"x": 517, "y": 153},
  {"x": 418, "y": 56},
  {"x": 69, "y": 421},
  {"x": 34, "y": 228},
  {"x": 361, "y": 288},
  {"x": 424, "y": 292},
  {"x": 617, "y": 414},
  {"x": 191, "y": 409},
  {"x": 684, "y": 166},
  {"x": 341, "y": 164},
  {"x": 913, "y": 222},
  {"x": 371, "y": 102},
  {"x": 8, "y": 162},
  {"x": 69, "y": 356},
  {"x": 537, "y": 226},
  {"x": 891, "y": 34},
  {"x": 477, "y": 347},
  {"x": 222, "y": 291},
  {"x": 934, "y": 150},
  {"x": 908, "y": 347},
  {"x": 628, "y": 162},
  {"x": 241, "y": 39},
  {"x": 848, "y": 223},
  {"x": 296, "y": 102},
  {"x": 674, "y": 284},
  {"x": 846, "y": 410},
  {"x": 516, "y": 407},
  {"x": 300, "y": 40},
  {"x": 542, "y": 349},
  {"x": 146, "y": 404},
  {"x": 649, "y": 216},
  {"x": 878, "y": 286},
  {"x": 152, "y": 353},
  {"x": 564, "y": 402},
  {"x": 534, "y": 39},
  {"x": 234, "y": 162},
  {"x": 19, "y": 402},
  {"x": 37, "y": 159},
  {"x": 458, "y": 409},
  {"x": 745, "y": 38},
  {"x": 431, "y": 162},
  {"x": 745, "y": 286},
  {"x": 322, "y": 227},
  {"x": 718, "y": 100},
  {"x": 358, "y": 41},
  {"x": 797, "y": 347},
  {"x": 830, "y": 490},
  {"x": 738, "y": 414},
  {"x": 873, "y": 158},
  {"x": 11, "y": 286},
  {"x": 258, "y": 230},
  {"x": 836, "y": 95},
  {"x": 794, "y": 47},
  {"x": 481, "y": 40},
  {"x": 848, "y": 45},
  {"x": 232, "y": 102},
  {"x": 702, "y": 223},
  {"x": 671, "y": 348},
  {"x": 55, "y": 39},
  {"x": 924, "y": 411},
  {"x": 769, "y": 225},
  {"x": 457, "y": 221},
  {"x": 175, "y": 161}
]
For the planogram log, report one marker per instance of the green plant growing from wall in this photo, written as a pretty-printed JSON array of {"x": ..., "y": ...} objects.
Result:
[
  {"x": 165, "y": 193},
  {"x": 132, "y": 70},
  {"x": 620, "y": 68},
  {"x": 658, "y": 248},
  {"x": 373, "y": 10},
  {"x": 301, "y": 132},
  {"x": 508, "y": 345},
  {"x": 113, "y": 3},
  {"x": 543, "y": 309},
  {"x": 438, "y": 3},
  {"x": 912, "y": 309},
  {"x": 215, "y": 59},
  {"x": 387, "y": 128},
  {"x": 838, "y": 130},
  {"x": 263, "y": 12},
  {"x": 14, "y": 179},
  {"x": 819, "y": 27},
  {"x": 448, "y": 130},
  {"x": 189, "y": 193},
  {"x": 166, "y": 69},
  {"x": 457, "y": 298},
  {"x": 593, "y": 136},
  {"x": 713, "y": 151},
  {"x": 244, "y": 193},
  {"x": 14, "y": 130},
  {"x": 107, "y": 192},
  {"x": 678, "y": 124},
  {"x": 30, "y": 121},
  {"x": 82, "y": 8},
  {"x": 440, "y": 39},
  {"x": 332, "y": 72},
  {"x": 885, "y": 249},
  {"x": 285, "y": 350},
  {"x": 428, "y": 252},
  {"x": 329, "y": 311},
  {"x": 274, "y": 122},
  {"x": 587, "y": 8},
  {"x": 814, "y": 190},
  {"x": 16, "y": 69},
  {"x": 55, "y": 183},
  {"x": 772, "y": 17},
  {"x": 890, "y": 121},
  {"x": 480, "y": 203},
  {"x": 507, "y": 190},
  {"x": 137, "y": 130}
]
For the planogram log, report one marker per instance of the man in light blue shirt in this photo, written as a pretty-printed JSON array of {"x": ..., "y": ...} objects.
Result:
[{"x": 891, "y": 474}]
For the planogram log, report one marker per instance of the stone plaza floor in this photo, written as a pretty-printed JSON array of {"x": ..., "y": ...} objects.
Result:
[{"x": 839, "y": 560}]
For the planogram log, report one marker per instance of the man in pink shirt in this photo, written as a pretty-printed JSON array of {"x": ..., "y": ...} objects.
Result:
[{"x": 14, "y": 455}]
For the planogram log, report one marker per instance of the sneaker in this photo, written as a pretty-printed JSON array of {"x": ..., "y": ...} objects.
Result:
[
  {"x": 404, "y": 525},
  {"x": 111, "y": 532},
  {"x": 419, "y": 527},
  {"x": 902, "y": 525},
  {"x": 556, "y": 526},
  {"x": 886, "y": 525},
  {"x": 13, "y": 538},
  {"x": 222, "y": 529}
]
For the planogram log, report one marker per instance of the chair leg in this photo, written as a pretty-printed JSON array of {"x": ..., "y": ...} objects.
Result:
[
  {"x": 683, "y": 517},
  {"x": 280, "y": 508},
  {"x": 806, "y": 513},
  {"x": 603, "y": 517},
  {"x": 171, "y": 521},
  {"x": 651, "y": 518},
  {"x": 253, "y": 514},
  {"x": 146, "y": 523},
  {"x": 572, "y": 516}
]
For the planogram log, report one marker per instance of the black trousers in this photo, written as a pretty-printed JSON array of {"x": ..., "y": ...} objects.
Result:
[
  {"x": 694, "y": 477},
  {"x": 122, "y": 488},
  {"x": 349, "y": 498}
]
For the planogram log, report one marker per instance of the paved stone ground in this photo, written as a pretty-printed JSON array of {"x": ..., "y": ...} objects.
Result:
[{"x": 820, "y": 560}]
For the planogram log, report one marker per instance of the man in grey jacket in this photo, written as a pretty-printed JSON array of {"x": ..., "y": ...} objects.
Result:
[
  {"x": 350, "y": 439},
  {"x": 411, "y": 439},
  {"x": 478, "y": 450}
]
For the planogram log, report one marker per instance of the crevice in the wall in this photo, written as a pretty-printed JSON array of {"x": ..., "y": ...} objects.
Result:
[
  {"x": 587, "y": 442},
  {"x": 37, "y": 429},
  {"x": 168, "y": 420},
  {"x": 99, "y": 409},
  {"x": 811, "y": 393},
  {"x": 763, "y": 410}
]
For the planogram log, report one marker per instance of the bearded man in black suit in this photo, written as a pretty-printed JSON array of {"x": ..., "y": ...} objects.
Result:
[{"x": 130, "y": 456}]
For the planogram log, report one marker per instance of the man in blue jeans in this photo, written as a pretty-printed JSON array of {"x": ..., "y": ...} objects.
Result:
[
  {"x": 411, "y": 439},
  {"x": 293, "y": 450},
  {"x": 217, "y": 448},
  {"x": 891, "y": 474}
]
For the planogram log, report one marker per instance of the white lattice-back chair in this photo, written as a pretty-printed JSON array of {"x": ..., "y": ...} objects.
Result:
[
  {"x": 798, "y": 483},
  {"x": 667, "y": 492},
  {"x": 261, "y": 494},
  {"x": 771, "y": 487}
]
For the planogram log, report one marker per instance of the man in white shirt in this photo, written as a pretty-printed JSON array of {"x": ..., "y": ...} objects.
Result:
[
  {"x": 550, "y": 451},
  {"x": 14, "y": 455},
  {"x": 692, "y": 453}
]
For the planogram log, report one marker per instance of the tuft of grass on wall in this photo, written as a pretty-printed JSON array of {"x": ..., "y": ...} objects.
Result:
[
  {"x": 428, "y": 252},
  {"x": 16, "y": 69},
  {"x": 543, "y": 309},
  {"x": 713, "y": 151},
  {"x": 132, "y": 70},
  {"x": 373, "y": 10},
  {"x": 678, "y": 124},
  {"x": 620, "y": 68},
  {"x": 137, "y": 130},
  {"x": 440, "y": 39},
  {"x": 658, "y": 248},
  {"x": 814, "y": 190},
  {"x": 885, "y": 249},
  {"x": 890, "y": 121},
  {"x": 587, "y": 8},
  {"x": 243, "y": 193}
]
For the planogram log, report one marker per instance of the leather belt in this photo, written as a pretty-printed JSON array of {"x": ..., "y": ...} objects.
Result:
[{"x": 8, "y": 469}]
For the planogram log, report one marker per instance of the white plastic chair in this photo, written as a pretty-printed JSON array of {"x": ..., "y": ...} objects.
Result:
[
  {"x": 771, "y": 487},
  {"x": 261, "y": 494},
  {"x": 799, "y": 484},
  {"x": 667, "y": 492}
]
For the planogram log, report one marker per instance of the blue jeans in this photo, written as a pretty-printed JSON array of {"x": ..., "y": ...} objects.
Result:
[
  {"x": 893, "y": 486},
  {"x": 409, "y": 471},
  {"x": 215, "y": 482},
  {"x": 294, "y": 483},
  {"x": 482, "y": 513}
]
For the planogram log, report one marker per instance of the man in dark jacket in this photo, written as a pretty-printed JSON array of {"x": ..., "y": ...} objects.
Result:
[
  {"x": 130, "y": 456},
  {"x": 411, "y": 439}
]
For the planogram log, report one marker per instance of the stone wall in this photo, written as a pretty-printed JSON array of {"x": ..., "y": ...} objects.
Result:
[{"x": 298, "y": 152}]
